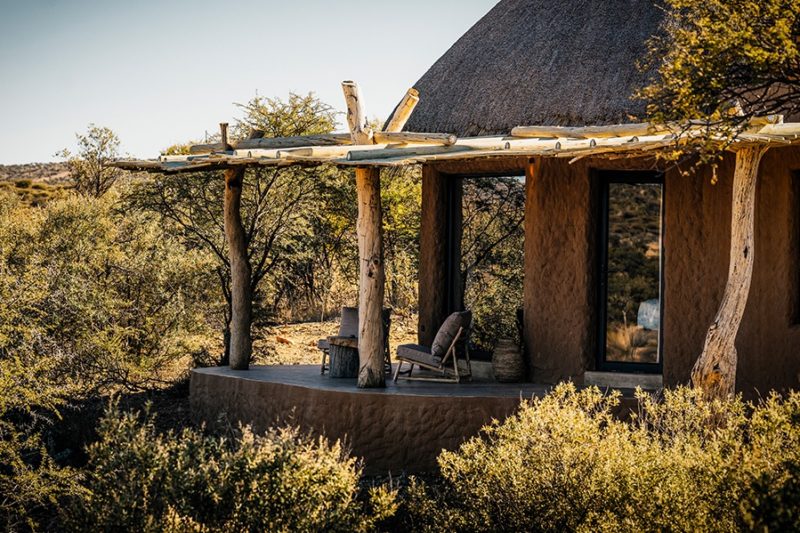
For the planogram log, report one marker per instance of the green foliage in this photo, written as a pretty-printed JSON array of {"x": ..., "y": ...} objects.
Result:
[
  {"x": 724, "y": 61},
  {"x": 110, "y": 296},
  {"x": 89, "y": 168},
  {"x": 300, "y": 223},
  {"x": 281, "y": 481},
  {"x": 30, "y": 480},
  {"x": 492, "y": 256},
  {"x": 564, "y": 462},
  {"x": 401, "y": 200}
]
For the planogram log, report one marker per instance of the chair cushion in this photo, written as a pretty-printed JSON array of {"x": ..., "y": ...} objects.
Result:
[
  {"x": 448, "y": 331},
  {"x": 417, "y": 354}
]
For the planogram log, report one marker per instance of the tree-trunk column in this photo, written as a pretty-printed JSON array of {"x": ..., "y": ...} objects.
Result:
[
  {"x": 241, "y": 345},
  {"x": 371, "y": 279},
  {"x": 715, "y": 369}
]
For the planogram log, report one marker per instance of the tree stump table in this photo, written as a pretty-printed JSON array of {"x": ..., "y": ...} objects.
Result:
[{"x": 344, "y": 357}]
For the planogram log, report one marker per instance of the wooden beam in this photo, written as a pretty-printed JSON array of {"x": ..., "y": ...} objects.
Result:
[
  {"x": 715, "y": 370},
  {"x": 267, "y": 143},
  {"x": 206, "y": 148},
  {"x": 616, "y": 130},
  {"x": 403, "y": 111},
  {"x": 327, "y": 151},
  {"x": 364, "y": 155},
  {"x": 360, "y": 131},
  {"x": 382, "y": 137},
  {"x": 371, "y": 279},
  {"x": 272, "y": 143}
]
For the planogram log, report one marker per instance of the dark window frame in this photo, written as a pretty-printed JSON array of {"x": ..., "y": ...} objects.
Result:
[
  {"x": 794, "y": 249},
  {"x": 606, "y": 178}
]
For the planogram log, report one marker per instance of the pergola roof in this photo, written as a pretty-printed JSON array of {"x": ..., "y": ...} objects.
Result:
[{"x": 401, "y": 149}]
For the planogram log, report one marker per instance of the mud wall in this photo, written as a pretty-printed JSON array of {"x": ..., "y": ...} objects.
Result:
[
  {"x": 560, "y": 287},
  {"x": 697, "y": 240},
  {"x": 391, "y": 432}
]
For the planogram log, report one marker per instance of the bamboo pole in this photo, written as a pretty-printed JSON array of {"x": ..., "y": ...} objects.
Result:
[
  {"x": 403, "y": 111},
  {"x": 272, "y": 143},
  {"x": 715, "y": 370},
  {"x": 327, "y": 151}
]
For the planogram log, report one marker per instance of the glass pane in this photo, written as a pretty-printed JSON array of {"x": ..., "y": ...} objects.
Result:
[{"x": 633, "y": 298}]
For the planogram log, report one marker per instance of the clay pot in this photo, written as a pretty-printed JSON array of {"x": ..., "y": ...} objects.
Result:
[{"x": 507, "y": 362}]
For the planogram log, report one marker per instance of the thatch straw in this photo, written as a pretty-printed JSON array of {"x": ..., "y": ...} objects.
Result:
[{"x": 547, "y": 62}]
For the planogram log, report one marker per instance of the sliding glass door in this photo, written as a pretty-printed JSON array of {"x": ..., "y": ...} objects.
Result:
[{"x": 631, "y": 260}]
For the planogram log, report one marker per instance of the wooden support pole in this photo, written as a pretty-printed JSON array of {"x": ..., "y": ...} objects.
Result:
[
  {"x": 371, "y": 279},
  {"x": 403, "y": 111},
  {"x": 370, "y": 250},
  {"x": 241, "y": 344},
  {"x": 360, "y": 131},
  {"x": 223, "y": 135},
  {"x": 715, "y": 370}
]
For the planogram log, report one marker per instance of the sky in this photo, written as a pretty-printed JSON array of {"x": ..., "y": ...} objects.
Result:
[{"x": 162, "y": 72}]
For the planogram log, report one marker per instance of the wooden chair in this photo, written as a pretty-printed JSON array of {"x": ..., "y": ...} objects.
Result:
[
  {"x": 348, "y": 328},
  {"x": 442, "y": 358}
]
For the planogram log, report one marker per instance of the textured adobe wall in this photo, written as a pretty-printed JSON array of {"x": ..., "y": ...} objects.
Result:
[
  {"x": 559, "y": 275},
  {"x": 560, "y": 287},
  {"x": 433, "y": 256},
  {"x": 697, "y": 240},
  {"x": 391, "y": 432}
]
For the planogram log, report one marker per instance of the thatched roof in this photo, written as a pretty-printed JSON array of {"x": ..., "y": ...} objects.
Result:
[{"x": 549, "y": 62}]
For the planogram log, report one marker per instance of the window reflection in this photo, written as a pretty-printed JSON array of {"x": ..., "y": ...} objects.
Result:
[{"x": 633, "y": 295}]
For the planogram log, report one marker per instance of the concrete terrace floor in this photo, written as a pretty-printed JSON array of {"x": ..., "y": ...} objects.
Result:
[{"x": 308, "y": 376}]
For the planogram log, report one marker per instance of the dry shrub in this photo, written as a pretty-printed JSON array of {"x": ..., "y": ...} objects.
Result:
[
  {"x": 565, "y": 463},
  {"x": 139, "y": 480}
]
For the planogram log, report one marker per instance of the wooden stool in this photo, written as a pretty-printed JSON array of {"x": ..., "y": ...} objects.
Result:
[{"x": 344, "y": 357}]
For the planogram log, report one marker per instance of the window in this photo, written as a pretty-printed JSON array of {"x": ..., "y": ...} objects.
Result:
[{"x": 631, "y": 261}]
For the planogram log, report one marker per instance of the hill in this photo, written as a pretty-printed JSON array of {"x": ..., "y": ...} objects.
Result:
[{"x": 50, "y": 173}]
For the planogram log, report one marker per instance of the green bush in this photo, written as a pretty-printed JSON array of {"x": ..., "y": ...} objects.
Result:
[
  {"x": 139, "y": 480},
  {"x": 116, "y": 299},
  {"x": 31, "y": 484},
  {"x": 565, "y": 463}
]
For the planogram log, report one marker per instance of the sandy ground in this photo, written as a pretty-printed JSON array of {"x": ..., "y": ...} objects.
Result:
[{"x": 296, "y": 344}]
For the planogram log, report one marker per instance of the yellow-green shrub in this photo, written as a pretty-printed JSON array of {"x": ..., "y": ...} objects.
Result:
[
  {"x": 139, "y": 480},
  {"x": 565, "y": 463}
]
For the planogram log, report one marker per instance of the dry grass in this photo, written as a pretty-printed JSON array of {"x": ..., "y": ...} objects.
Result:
[
  {"x": 632, "y": 344},
  {"x": 296, "y": 344}
]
